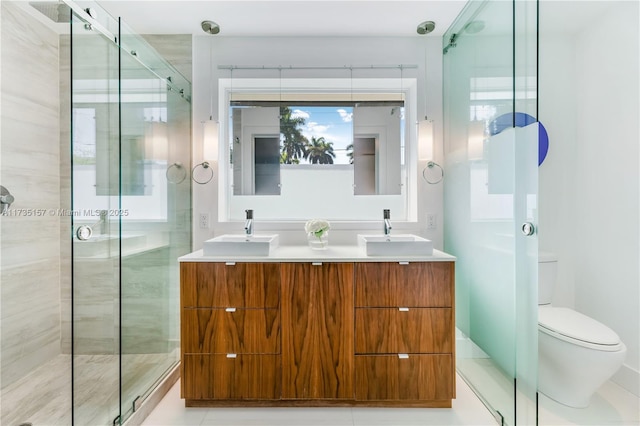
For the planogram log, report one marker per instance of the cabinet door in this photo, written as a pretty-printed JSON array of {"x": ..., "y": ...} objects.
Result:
[
  {"x": 220, "y": 285},
  {"x": 317, "y": 317},
  {"x": 417, "y": 284}
]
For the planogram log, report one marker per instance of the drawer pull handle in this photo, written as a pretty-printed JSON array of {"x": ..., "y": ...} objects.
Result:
[
  {"x": 403, "y": 309},
  {"x": 230, "y": 309},
  {"x": 232, "y": 355},
  {"x": 316, "y": 263},
  {"x": 403, "y": 356},
  {"x": 230, "y": 263},
  {"x": 403, "y": 263}
]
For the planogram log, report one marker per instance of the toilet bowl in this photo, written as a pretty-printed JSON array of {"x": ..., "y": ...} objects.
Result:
[{"x": 576, "y": 354}]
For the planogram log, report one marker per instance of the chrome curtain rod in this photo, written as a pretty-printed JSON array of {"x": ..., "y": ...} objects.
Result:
[{"x": 344, "y": 67}]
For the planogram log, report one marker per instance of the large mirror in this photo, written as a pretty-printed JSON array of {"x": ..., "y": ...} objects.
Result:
[
  {"x": 312, "y": 156},
  {"x": 276, "y": 146}
]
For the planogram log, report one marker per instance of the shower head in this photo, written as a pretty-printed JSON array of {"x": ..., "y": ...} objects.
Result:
[{"x": 56, "y": 11}]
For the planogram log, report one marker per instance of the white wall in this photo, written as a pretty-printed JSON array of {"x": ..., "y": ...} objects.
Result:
[
  {"x": 310, "y": 52},
  {"x": 590, "y": 182}
]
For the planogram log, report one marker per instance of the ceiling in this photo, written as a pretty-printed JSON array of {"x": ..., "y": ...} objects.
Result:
[{"x": 287, "y": 17}]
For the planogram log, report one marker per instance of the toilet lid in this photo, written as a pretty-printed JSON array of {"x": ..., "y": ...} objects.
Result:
[{"x": 574, "y": 325}]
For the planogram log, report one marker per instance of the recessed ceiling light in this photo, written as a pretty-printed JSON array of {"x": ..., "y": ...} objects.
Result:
[
  {"x": 210, "y": 27},
  {"x": 426, "y": 27}
]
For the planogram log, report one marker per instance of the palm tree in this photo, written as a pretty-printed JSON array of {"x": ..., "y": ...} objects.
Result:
[
  {"x": 286, "y": 160},
  {"x": 293, "y": 141},
  {"x": 350, "y": 153},
  {"x": 319, "y": 151}
]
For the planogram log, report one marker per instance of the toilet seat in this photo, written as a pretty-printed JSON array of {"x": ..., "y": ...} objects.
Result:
[{"x": 576, "y": 328}]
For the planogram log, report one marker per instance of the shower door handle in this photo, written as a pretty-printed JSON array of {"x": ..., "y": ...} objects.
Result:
[{"x": 528, "y": 229}]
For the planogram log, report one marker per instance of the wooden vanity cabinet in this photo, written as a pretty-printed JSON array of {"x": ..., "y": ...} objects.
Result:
[
  {"x": 230, "y": 331},
  {"x": 309, "y": 334},
  {"x": 404, "y": 332}
]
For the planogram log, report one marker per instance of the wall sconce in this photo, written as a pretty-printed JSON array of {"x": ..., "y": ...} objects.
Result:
[
  {"x": 425, "y": 140},
  {"x": 475, "y": 143},
  {"x": 425, "y": 127},
  {"x": 210, "y": 127},
  {"x": 425, "y": 150},
  {"x": 210, "y": 140},
  {"x": 209, "y": 150}
]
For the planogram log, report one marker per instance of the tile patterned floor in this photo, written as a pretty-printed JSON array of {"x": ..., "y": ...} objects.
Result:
[
  {"x": 467, "y": 410},
  {"x": 43, "y": 397}
]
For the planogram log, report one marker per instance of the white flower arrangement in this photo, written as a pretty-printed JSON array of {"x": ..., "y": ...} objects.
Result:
[{"x": 317, "y": 227}]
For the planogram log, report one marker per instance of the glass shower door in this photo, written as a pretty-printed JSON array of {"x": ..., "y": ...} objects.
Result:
[
  {"x": 131, "y": 198},
  {"x": 95, "y": 188},
  {"x": 156, "y": 211},
  {"x": 490, "y": 202}
]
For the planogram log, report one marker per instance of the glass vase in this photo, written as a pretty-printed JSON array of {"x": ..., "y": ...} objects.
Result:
[{"x": 318, "y": 242}]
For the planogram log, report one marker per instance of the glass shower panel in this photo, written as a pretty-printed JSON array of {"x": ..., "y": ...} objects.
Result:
[
  {"x": 527, "y": 154},
  {"x": 95, "y": 184},
  {"x": 486, "y": 202},
  {"x": 156, "y": 200}
]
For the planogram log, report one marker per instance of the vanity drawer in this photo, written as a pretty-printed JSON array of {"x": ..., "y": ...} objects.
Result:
[
  {"x": 394, "y": 330},
  {"x": 244, "y": 376},
  {"x": 416, "y": 377},
  {"x": 220, "y": 285},
  {"x": 225, "y": 331},
  {"x": 416, "y": 284}
]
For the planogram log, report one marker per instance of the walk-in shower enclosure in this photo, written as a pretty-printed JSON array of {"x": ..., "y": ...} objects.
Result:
[
  {"x": 96, "y": 152},
  {"x": 490, "y": 59}
]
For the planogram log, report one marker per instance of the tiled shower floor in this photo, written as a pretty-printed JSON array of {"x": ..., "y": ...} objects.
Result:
[{"x": 43, "y": 397}]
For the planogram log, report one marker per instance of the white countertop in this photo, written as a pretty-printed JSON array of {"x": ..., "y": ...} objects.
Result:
[{"x": 302, "y": 253}]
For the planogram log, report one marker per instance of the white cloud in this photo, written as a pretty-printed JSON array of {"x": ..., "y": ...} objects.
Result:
[
  {"x": 314, "y": 128},
  {"x": 346, "y": 116},
  {"x": 298, "y": 113}
]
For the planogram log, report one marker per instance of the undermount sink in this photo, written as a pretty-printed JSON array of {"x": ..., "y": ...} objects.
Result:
[
  {"x": 240, "y": 245},
  {"x": 391, "y": 245}
]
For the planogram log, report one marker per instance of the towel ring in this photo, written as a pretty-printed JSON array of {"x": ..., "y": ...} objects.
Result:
[
  {"x": 181, "y": 178},
  {"x": 431, "y": 165},
  {"x": 205, "y": 165}
]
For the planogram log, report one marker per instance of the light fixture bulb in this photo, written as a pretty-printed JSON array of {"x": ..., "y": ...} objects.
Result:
[
  {"x": 210, "y": 140},
  {"x": 425, "y": 140}
]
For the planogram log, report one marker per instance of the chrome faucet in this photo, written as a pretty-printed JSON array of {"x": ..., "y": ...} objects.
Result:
[
  {"x": 248, "y": 225},
  {"x": 386, "y": 213}
]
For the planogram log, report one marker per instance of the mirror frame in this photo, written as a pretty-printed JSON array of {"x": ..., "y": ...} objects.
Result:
[{"x": 284, "y": 89}]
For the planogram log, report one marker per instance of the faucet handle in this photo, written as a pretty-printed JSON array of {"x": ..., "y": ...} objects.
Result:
[
  {"x": 249, "y": 214},
  {"x": 386, "y": 214}
]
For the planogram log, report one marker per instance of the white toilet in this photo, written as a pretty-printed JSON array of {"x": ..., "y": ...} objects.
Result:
[{"x": 577, "y": 354}]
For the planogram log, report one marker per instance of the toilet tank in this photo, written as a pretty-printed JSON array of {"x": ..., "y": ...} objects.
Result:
[{"x": 547, "y": 271}]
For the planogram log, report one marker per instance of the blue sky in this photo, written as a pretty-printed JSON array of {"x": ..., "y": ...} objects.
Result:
[{"x": 332, "y": 123}]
